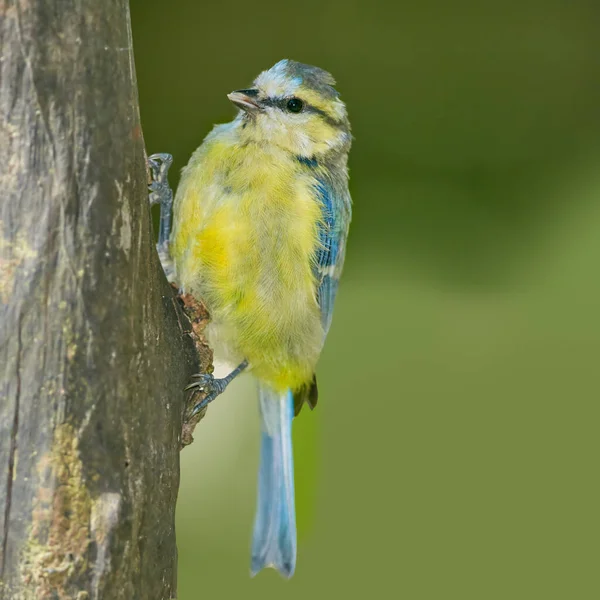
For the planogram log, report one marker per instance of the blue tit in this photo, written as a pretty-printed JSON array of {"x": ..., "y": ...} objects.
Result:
[{"x": 261, "y": 218}]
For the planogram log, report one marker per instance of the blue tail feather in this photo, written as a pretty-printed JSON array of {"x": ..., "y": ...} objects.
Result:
[{"x": 274, "y": 539}]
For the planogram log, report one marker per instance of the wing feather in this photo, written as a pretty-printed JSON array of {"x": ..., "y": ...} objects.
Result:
[{"x": 333, "y": 231}]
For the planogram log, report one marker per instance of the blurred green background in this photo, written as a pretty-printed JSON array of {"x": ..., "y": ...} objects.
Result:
[{"x": 454, "y": 452}]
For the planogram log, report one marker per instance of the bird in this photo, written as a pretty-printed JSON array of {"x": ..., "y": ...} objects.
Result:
[{"x": 260, "y": 224}]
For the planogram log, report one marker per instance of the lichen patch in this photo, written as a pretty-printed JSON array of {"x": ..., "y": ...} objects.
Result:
[
  {"x": 57, "y": 549},
  {"x": 15, "y": 255}
]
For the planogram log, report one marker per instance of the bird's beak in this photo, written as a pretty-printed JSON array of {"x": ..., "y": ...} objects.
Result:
[{"x": 245, "y": 99}]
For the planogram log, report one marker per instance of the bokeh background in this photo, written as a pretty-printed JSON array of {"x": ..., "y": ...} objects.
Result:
[{"x": 454, "y": 452}]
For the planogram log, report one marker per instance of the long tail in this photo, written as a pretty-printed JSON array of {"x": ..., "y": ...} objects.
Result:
[{"x": 274, "y": 539}]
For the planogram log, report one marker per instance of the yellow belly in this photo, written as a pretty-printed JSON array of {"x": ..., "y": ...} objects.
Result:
[{"x": 245, "y": 232}]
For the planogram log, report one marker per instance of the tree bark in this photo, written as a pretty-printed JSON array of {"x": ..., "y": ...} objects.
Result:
[{"x": 94, "y": 353}]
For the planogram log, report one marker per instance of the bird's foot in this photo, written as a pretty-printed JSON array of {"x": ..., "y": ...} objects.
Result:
[
  {"x": 211, "y": 386},
  {"x": 207, "y": 383},
  {"x": 160, "y": 190},
  {"x": 161, "y": 193}
]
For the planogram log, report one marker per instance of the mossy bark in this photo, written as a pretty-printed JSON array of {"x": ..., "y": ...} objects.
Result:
[{"x": 94, "y": 348}]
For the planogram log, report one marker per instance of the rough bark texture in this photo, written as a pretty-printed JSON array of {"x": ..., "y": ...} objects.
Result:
[{"x": 93, "y": 350}]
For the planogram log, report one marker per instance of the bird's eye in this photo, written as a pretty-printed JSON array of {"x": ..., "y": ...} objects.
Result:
[{"x": 295, "y": 105}]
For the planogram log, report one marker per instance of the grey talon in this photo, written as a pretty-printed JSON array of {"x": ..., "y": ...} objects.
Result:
[{"x": 213, "y": 387}]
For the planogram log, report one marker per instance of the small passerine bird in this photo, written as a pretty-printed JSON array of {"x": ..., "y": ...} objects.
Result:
[{"x": 261, "y": 217}]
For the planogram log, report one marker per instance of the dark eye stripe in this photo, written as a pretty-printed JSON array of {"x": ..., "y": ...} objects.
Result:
[
  {"x": 328, "y": 119},
  {"x": 281, "y": 103}
]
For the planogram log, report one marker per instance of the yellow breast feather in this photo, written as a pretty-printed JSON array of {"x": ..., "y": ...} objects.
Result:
[{"x": 247, "y": 228}]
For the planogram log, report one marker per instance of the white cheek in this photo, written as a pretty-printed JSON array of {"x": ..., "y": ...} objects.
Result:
[
  {"x": 292, "y": 129},
  {"x": 268, "y": 125},
  {"x": 273, "y": 122},
  {"x": 285, "y": 130},
  {"x": 304, "y": 144}
]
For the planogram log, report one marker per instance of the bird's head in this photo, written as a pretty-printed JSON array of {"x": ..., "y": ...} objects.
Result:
[{"x": 295, "y": 107}]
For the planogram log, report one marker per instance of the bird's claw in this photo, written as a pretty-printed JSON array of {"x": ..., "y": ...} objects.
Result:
[
  {"x": 203, "y": 380},
  {"x": 160, "y": 164},
  {"x": 161, "y": 192},
  {"x": 200, "y": 406},
  {"x": 212, "y": 387},
  {"x": 206, "y": 382}
]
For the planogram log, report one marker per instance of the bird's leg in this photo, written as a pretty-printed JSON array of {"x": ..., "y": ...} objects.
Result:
[
  {"x": 161, "y": 193},
  {"x": 207, "y": 383}
]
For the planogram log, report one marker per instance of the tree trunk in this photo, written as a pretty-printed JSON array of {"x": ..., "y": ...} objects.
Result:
[{"x": 94, "y": 353}]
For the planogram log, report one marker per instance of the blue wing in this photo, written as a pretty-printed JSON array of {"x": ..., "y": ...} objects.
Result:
[{"x": 333, "y": 231}]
